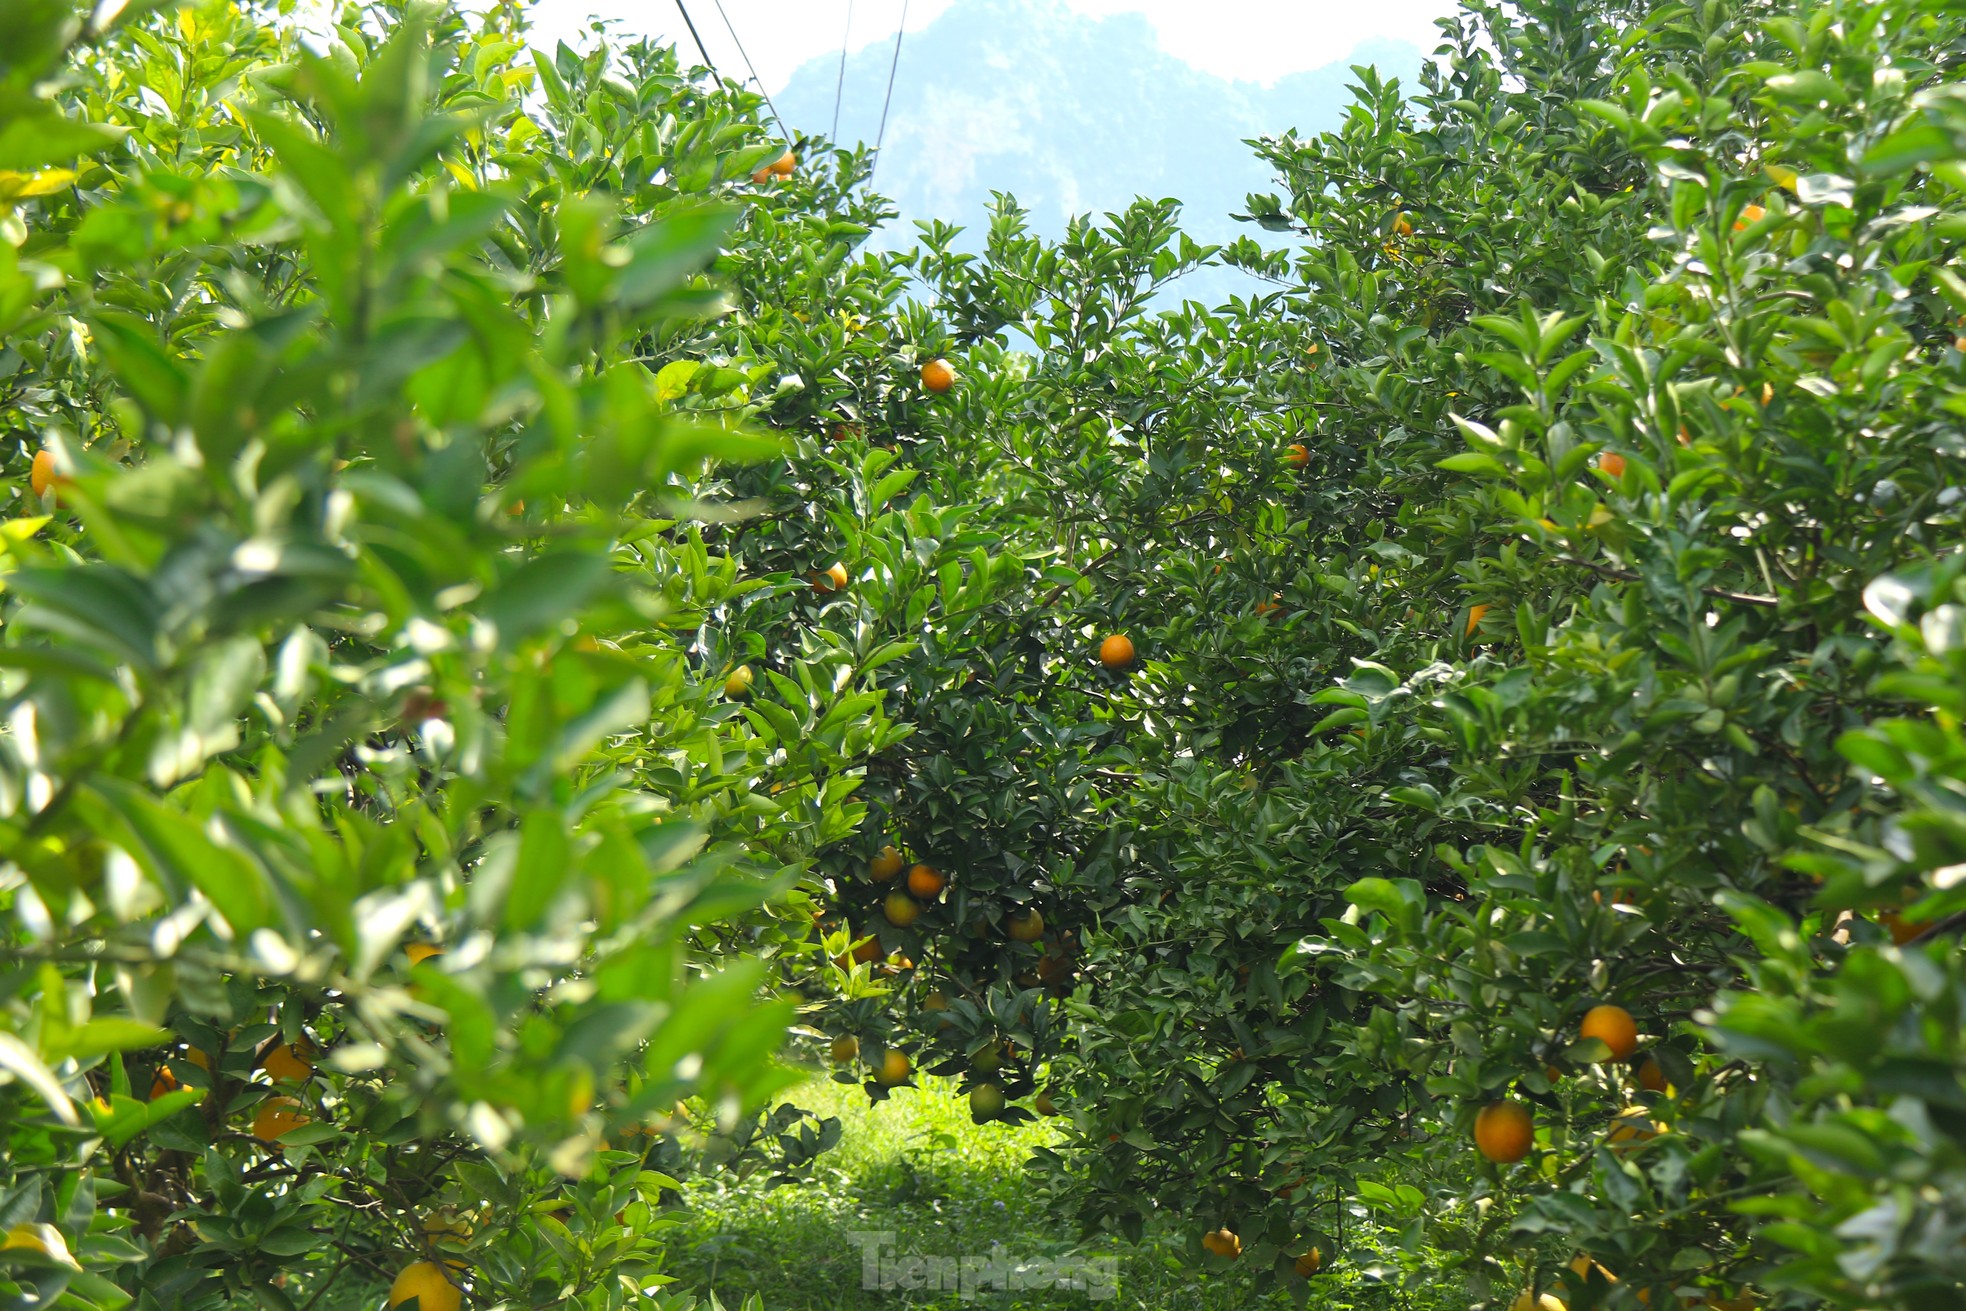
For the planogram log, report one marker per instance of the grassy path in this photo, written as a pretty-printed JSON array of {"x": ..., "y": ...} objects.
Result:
[{"x": 917, "y": 1168}]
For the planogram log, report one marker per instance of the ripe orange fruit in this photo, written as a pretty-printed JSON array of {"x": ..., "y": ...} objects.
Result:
[
  {"x": 1583, "y": 1266},
  {"x": 738, "y": 684},
  {"x": 41, "y": 474},
  {"x": 1504, "y": 1131},
  {"x": 886, "y": 865},
  {"x": 1265, "y": 609},
  {"x": 894, "y": 1066},
  {"x": 289, "y": 1062},
  {"x": 1612, "y": 463},
  {"x": 419, "y": 952},
  {"x": 938, "y": 376},
  {"x": 1632, "y": 1126},
  {"x": 785, "y": 164},
  {"x": 986, "y": 1101},
  {"x": 1402, "y": 225},
  {"x": 1901, "y": 929},
  {"x": 844, "y": 1049},
  {"x": 1475, "y": 612},
  {"x": 1311, "y": 351},
  {"x": 926, "y": 882},
  {"x": 901, "y": 909},
  {"x": 1749, "y": 214},
  {"x": 1307, "y": 1264},
  {"x": 1025, "y": 925},
  {"x": 1223, "y": 1243},
  {"x": 426, "y": 1284},
  {"x": 831, "y": 579},
  {"x": 1614, "y": 1027},
  {"x": 277, "y": 1116},
  {"x": 1297, "y": 455},
  {"x": 165, "y": 1082},
  {"x": 868, "y": 950},
  {"x": 1650, "y": 1076},
  {"x": 1116, "y": 652},
  {"x": 1528, "y": 1301}
]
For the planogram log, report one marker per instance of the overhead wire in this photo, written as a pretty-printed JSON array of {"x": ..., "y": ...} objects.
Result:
[
  {"x": 753, "y": 71},
  {"x": 839, "y": 88},
  {"x": 701, "y": 49},
  {"x": 888, "y": 99}
]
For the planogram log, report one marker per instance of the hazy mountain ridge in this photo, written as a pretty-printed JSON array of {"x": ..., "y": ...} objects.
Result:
[{"x": 1070, "y": 115}]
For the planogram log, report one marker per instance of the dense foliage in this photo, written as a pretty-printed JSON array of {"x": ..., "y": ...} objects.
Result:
[{"x": 470, "y": 499}]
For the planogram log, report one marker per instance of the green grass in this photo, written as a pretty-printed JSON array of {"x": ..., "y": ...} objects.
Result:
[{"x": 915, "y": 1166}]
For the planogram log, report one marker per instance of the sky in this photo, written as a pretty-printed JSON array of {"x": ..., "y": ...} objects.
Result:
[{"x": 1249, "y": 40}]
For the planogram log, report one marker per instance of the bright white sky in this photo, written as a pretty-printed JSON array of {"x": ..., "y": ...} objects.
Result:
[{"x": 1254, "y": 40}]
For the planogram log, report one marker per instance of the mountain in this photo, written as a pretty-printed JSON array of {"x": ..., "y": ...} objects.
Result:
[{"x": 1071, "y": 115}]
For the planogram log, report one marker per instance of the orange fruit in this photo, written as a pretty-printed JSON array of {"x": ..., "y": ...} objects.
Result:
[
  {"x": 1223, "y": 1243},
  {"x": 1267, "y": 608},
  {"x": 785, "y": 165},
  {"x": 830, "y": 579},
  {"x": 1632, "y": 1126},
  {"x": 986, "y": 1101},
  {"x": 1402, "y": 225},
  {"x": 1583, "y": 1265},
  {"x": 844, "y": 1049},
  {"x": 901, "y": 909},
  {"x": 1612, "y": 463},
  {"x": 165, "y": 1082},
  {"x": 738, "y": 684},
  {"x": 1768, "y": 390},
  {"x": 1504, "y": 1131},
  {"x": 289, "y": 1062},
  {"x": 1475, "y": 612},
  {"x": 886, "y": 865},
  {"x": 1026, "y": 925},
  {"x": 41, "y": 474},
  {"x": 1901, "y": 929},
  {"x": 1528, "y": 1301},
  {"x": 419, "y": 952},
  {"x": 1307, "y": 1264},
  {"x": 1116, "y": 652},
  {"x": 1297, "y": 455},
  {"x": 1650, "y": 1076},
  {"x": 1614, "y": 1027},
  {"x": 426, "y": 1284},
  {"x": 894, "y": 1066},
  {"x": 938, "y": 376},
  {"x": 1749, "y": 214},
  {"x": 926, "y": 882},
  {"x": 1311, "y": 351},
  {"x": 1043, "y": 1104},
  {"x": 276, "y": 1117},
  {"x": 868, "y": 950}
]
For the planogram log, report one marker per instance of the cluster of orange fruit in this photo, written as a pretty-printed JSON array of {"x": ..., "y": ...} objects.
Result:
[
  {"x": 1227, "y": 1244},
  {"x": 782, "y": 167},
  {"x": 1505, "y": 1131}
]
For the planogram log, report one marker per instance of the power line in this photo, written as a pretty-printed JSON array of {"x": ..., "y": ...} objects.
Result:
[
  {"x": 888, "y": 99},
  {"x": 754, "y": 72},
  {"x": 701, "y": 49},
  {"x": 840, "y": 87}
]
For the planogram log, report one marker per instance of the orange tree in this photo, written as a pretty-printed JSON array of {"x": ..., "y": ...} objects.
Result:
[
  {"x": 1636, "y": 368},
  {"x": 383, "y": 866}
]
